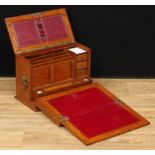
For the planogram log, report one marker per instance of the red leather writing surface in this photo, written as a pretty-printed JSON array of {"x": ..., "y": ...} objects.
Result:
[
  {"x": 81, "y": 102},
  {"x": 93, "y": 112},
  {"x": 39, "y": 30},
  {"x": 103, "y": 120}
]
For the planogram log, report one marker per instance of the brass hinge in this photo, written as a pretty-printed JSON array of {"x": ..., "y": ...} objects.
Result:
[{"x": 63, "y": 119}]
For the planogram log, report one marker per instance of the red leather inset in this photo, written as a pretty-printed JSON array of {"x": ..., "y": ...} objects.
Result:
[
  {"x": 103, "y": 120},
  {"x": 26, "y": 33},
  {"x": 39, "y": 30},
  {"x": 55, "y": 28},
  {"x": 93, "y": 112},
  {"x": 81, "y": 102}
]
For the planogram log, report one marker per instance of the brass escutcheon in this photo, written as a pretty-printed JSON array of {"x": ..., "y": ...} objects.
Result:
[{"x": 24, "y": 81}]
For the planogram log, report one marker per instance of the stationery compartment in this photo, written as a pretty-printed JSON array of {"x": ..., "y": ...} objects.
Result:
[
  {"x": 44, "y": 56},
  {"x": 39, "y": 53},
  {"x": 53, "y": 57},
  {"x": 51, "y": 61}
]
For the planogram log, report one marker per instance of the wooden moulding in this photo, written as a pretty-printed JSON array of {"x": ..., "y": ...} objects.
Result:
[{"x": 49, "y": 110}]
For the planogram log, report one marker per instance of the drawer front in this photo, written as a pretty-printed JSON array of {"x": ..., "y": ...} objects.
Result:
[
  {"x": 80, "y": 73},
  {"x": 81, "y": 57},
  {"x": 81, "y": 65}
]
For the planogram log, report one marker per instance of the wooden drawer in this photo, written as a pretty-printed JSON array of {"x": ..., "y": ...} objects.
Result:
[
  {"x": 81, "y": 57},
  {"x": 81, "y": 65},
  {"x": 81, "y": 72}
]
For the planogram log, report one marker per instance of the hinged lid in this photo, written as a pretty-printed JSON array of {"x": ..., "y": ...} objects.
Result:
[{"x": 39, "y": 30}]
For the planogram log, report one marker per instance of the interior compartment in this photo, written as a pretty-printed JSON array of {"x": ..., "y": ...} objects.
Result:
[
  {"x": 47, "y": 51},
  {"x": 44, "y": 54},
  {"x": 58, "y": 66},
  {"x": 51, "y": 54},
  {"x": 52, "y": 59},
  {"x": 48, "y": 63}
]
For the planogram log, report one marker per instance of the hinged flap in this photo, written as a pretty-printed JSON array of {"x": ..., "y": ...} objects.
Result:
[
  {"x": 39, "y": 30},
  {"x": 91, "y": 113}
]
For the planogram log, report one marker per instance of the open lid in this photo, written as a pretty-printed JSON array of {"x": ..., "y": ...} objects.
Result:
[{"x": 39, "y": 30}]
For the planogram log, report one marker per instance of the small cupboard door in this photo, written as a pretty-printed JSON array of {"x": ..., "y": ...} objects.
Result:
[
  {"x": 62, "y": 71},
  {"x": 41, "y": 76},
  {"x": 51, "y": 74}
]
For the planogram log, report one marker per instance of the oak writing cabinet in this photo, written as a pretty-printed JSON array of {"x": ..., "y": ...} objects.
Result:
[{"x": 53, "y": 75}]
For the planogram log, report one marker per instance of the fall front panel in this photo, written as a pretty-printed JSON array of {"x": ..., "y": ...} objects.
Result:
[{"x": 93, "y": 114}]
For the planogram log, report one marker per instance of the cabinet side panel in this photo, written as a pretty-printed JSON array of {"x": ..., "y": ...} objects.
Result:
[{"x": 23, "y": 82}]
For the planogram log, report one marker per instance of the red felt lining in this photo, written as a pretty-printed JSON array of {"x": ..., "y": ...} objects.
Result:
[
  {"x": 55, "y": 28},
  {"x": 26, "y": 33},
  {"x": 39, "y": 30},
  {"x": 93, "y": 112}
]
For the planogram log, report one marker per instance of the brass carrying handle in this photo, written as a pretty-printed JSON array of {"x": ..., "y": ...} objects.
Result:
[{"x": 25, "y": 81}]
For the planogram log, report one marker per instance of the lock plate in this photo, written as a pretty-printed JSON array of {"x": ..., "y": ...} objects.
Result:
[{"x": 24, "y": 81}]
